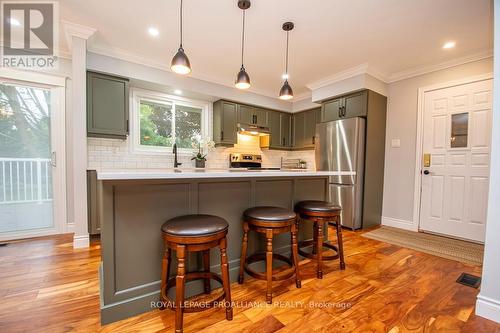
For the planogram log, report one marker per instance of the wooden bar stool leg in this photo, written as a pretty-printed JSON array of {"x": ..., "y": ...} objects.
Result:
[
  {"x": 225, "y": 278},
  {"x": 179, "y": 284},
  {"x": 340, "y": 244},
  {"x": 315, "y": 239},
  {"x": 165, "y": 274},
  {"x": 319, "y": 245},
  {"x": 269, "y": 266},
  {"x": 206, "y": 268},
  {"x": 244, "y": 245},
  {"x": 295, "y": 255}
]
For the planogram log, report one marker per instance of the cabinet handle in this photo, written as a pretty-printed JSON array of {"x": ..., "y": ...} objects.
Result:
[
  {"x": 283, "y": 141},
  {"x": 343, "y": 111},
  {"x": 340, "y": 112},
  {"x": 314, "y": 139},
  {"x": 255, "y": 119},
  {"x": 221, "y": 135}
]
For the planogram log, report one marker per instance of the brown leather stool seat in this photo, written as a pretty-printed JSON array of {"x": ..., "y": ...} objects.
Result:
[
  {"x": 317, "y": 206},
  {"x": 194, "y": 225},
  {"x": 319, "y": 213},
  {"x": 270, "y": 221},
  {"x": 194, "y": 233}
]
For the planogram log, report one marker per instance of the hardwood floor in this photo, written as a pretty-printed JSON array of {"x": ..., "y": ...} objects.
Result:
[{"x": 46, "y": 286}]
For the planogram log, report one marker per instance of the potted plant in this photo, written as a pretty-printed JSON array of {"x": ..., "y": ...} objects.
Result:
[{"x": 202, "y": 147}]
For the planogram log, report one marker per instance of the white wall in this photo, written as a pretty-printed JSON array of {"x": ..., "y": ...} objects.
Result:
[
  {"x": 488, "y": 303},
  {"x": 402, "y": 124}
]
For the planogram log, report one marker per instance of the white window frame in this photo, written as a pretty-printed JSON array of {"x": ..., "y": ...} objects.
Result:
[
  {"x": 156, "y": 97},
  {"x": 57, "y": 85}
]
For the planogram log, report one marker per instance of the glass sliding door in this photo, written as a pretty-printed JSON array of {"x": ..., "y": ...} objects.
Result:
[{"x": 27, "y": 160}]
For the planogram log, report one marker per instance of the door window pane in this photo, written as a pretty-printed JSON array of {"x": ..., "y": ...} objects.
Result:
[
  {"x": 25, "y": 169},
  {"x": 459, "y": 130}
]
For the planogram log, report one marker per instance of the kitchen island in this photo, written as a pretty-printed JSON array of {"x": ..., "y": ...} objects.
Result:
[{"x": 132, "y": 206}]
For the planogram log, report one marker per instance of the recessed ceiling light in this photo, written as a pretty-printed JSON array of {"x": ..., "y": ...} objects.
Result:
[
  {"x": 153, "y": 31},
  {"x": 178, "y": 92},
  {"x": 15, "y": 22},
  {"x": 449, "y": 45}
]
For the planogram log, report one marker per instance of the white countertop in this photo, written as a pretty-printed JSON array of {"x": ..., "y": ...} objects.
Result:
[{"x": 210, "y": 173}]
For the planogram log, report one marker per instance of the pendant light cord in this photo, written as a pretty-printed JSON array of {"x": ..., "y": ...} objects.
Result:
[
  {"x": 243, "y": 39},
  {"x": 181, "y": 23},
  {"x": 286, "y": 63}
]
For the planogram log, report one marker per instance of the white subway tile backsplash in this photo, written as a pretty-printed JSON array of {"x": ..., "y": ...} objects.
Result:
[{"x": 115, "y": 154}]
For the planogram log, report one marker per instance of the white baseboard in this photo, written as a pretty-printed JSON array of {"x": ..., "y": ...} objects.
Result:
[
  {"x": 397, "y": 223},
  {"x": 488, "y": 308},
  {"x": 70, "y": 228},
  {"x": 80, "y": 242}
]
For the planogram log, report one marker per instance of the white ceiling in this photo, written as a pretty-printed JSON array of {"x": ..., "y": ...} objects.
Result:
[{"x": 330, "y": 36}]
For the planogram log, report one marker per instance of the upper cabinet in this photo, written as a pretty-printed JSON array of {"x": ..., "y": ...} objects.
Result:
[
  {"x": 107, "y": 106},
  {"x": 279, "y": 126},
  {"x": 304, "y": 128},
  {"x": 225, "y": 120},
  {"x": 349, "y": 106},
  {"x": 252, "y": 115}
]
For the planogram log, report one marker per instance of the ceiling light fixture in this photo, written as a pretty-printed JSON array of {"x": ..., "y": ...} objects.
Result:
[
  {"x": 180, "y": 63},
  {"x": 449, "y": 45},
  {"x": 243, "y": 79},
  {"x": 153, "y": 31},
  {"x": 178, "y": 92},
  {"x": 286, "y": 91}
]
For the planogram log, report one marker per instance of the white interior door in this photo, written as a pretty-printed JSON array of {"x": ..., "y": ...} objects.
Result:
[
  {"x": 32, "y": 175},
  {"x": 457, "y": 132}
]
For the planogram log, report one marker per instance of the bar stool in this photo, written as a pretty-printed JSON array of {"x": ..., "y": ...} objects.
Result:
[
  {"x": 193, "y": 233},
  {"x": 270, "y": 221},
  {"x": 321, "y": 212}
]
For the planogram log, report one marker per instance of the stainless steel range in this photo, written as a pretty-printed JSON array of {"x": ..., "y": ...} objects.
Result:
[{"x": 247, "y": 162}]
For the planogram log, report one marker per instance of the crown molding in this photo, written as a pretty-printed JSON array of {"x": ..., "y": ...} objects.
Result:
[
  {"x": 420, "y": 70},
  {"x": 76, "y": 30}
]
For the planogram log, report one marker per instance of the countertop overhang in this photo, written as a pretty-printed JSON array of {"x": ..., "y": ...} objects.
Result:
[{"x": 211, "y": 173}]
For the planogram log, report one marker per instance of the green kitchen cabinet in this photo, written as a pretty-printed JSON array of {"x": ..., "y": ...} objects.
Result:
[
  {"x": 252, "y": 115},
  {"x": 279, "y": 126},
  {"x": 107, "y": 106},
  {"x": 304, "y": 128},
  {"x": 348, "y": 106},
  {"x": 225, "y": 123}
]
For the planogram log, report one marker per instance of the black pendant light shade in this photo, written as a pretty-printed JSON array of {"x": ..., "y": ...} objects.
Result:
[
  {"x": 243, "y": 79},
  {"x": 286, "y": 91},
  {"x": 180, "y": 63}
]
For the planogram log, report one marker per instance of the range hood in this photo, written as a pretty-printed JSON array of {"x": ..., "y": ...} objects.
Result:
[{"x": 255, "y": 130}]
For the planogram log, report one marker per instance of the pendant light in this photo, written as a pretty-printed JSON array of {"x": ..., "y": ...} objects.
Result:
[
  {"x": 180, "y": 62},
  {"x": 286, "y": 91},
  {"x": 243, "y": 79}
]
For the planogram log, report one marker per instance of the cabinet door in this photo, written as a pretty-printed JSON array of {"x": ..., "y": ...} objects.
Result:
[
  {"x": 355, "y": 105},
  {"x": 286, "y": 123},
  {"x": 309, "y": 128},
  {"x": 298, "y": 130},
  {"x": 274, "y": 119},
  {"x": 260, "y": 117},
  {"x": 331, "y": 110},
  {"x": 246, "y": 114},
  {"x": 107, "y": 106},
  {"x": 228, "y": 129}
]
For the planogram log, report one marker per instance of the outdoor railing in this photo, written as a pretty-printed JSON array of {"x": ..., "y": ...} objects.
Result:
[{"x": 25, "y": 180}]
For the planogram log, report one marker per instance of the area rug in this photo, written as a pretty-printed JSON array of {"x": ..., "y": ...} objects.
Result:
[{"x": 445, "y": 247}]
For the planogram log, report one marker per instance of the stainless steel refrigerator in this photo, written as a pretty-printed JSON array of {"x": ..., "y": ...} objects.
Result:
[{"x": 340, "y": 146}]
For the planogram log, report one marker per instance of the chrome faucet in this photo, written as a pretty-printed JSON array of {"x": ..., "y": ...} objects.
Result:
[{"x": 176, "y": 164}]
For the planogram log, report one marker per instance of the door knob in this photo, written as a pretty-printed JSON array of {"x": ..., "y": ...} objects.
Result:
[{"x": 426, "y": 172}]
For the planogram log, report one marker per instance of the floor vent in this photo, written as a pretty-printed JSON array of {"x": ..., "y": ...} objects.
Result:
[{"x": 469, "y": 280}]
